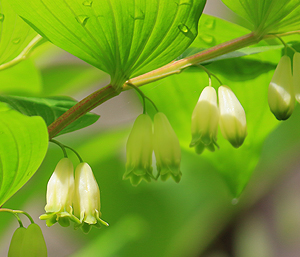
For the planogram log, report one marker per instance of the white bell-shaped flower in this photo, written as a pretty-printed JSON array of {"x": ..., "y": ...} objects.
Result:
[
  {"x": 232, "y": 117},
  {"x": 281, "y": 96},
  {"x": 205, "y": 121},
  {"x": 87, "y": 197},
  {"x": 139, "y": 150},
  {"x": 60, "y": 192},
  {"x": 166, "y": 148}
]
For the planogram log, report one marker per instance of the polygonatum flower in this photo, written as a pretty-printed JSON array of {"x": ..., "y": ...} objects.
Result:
[
  {"x": 281, "y": 96},
  {"x": 232, "y": 117},
  {"x": 166, "y": 148},
  {"x": 296, "y": 76},
  {"x": 60, "y": 191},
  {"x": 87, "y": 198},
  {"x": 205, "y": 121},
  {"x": 28, "y": 242},
  {"x": 139, "y": 150}
]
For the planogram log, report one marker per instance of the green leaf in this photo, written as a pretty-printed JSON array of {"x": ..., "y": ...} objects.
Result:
[
  {"x": 248, "y": 78},
  {"x": 22, "y": 78},
  {"x": 268, "y": 16},
  {"x": 123, "y": 38},
  {"x": 49, "y": 109},
  {"x": 24, "y": 142},
  {"x": 15, "y": 34}
]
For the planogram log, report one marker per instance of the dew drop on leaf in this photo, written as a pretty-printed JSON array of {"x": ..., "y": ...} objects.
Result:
[
  {"x": 234, "y": 201},
  {"x": 185, "y": 2},
  {"x": 1, "y": 17},
  {"x": 16, "y": 40},
  {"x": 208, "y": 39},
  {"x": 88, "y": 3},
  {"x": 82, "y": 19},
  {"x": 210, "y": 23},
  {"x": 183, "y": 28},
  {"x": 139, "y": 14}
]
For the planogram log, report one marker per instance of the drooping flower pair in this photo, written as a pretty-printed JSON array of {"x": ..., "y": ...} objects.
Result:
[
  {"x": 145, "y": 138},
  {"x": 28, "y": 242},
  {"x": 72, "y": 199},
  {"x": 284, "y": 87},
  {"x": 208, "y": 115}
]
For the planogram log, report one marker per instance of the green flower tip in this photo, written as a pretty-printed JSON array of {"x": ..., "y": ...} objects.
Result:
[{"x": 281, "y": 97}]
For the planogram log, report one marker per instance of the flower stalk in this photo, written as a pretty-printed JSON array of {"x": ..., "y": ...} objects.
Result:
[{"x": 102, "y": 95}]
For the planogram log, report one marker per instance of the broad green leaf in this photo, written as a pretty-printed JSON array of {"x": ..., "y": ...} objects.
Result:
[
  {"x": 23, "y": 78},
  {"x": 15, "y": 34},
  {"x": 123, "y": 38},
  {"x": 49, "y": 109},
  {"x": 268, "y": 16},
  {"x": 249, "y": 79},
  {"x": 24, "y": 142}
]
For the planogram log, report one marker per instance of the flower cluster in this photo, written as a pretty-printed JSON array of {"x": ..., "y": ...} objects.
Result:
[
  {"x": 72, "y": 199},
  {"x": 207, "y": 115},
  {"x": 284, "y": 87},
  {"x": 146, "y": 137}
]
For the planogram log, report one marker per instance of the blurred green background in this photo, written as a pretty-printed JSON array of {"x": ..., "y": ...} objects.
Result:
[{"x": 200, "y": 216}]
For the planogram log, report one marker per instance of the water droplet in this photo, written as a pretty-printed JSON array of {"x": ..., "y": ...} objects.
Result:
[
  {"x": 208, "y": 39},
  {"x": 88, "y": 3},
  {"x": 210, "y": 23},
  {"x": 139, "y": 14},
  {"x": 16, "y": 40},
  {"x": 183, "y": 28},
  {"x": 82, "y": 19},
  {"x": 234, "y": 201},
  {"x": 1, "y": 17},
  {"x": 185, "y": 2}
]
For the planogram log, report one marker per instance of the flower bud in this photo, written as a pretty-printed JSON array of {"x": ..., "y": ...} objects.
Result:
[
  {"x": 33, "y": 244},
  {"x": 166, "y": 148},
  {"x": 139, "y": 150},
  {"x": 232, "y": 117},
  {"x": 28, "y": 242},
  {"x": 60, "y": 191},
  {"x": 205, "y": 121},
  {"x": 296, "y": 76},
  {"x": 87, "y": 197},
  {"x": 281, "y": 94},
  {"x": 16, "y": 242}
]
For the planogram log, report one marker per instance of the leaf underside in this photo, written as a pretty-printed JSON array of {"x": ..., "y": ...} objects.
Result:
[{"x": 123, "y": 38}]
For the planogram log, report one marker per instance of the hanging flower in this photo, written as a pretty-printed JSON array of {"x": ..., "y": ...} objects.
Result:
[
  {"x": 166, "y": 148},
  {"x": 28, "y": 242},
  {"x": 232, "y": 117},
  {"x": 87, "y": 198},
  {"x": 281, "y": 94},
  {"x": 296, "y": 76},
  {"x": 60, "y": 191},
  {"x": 205, "y": 121},
  {"x": 139, "y": 150}
]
